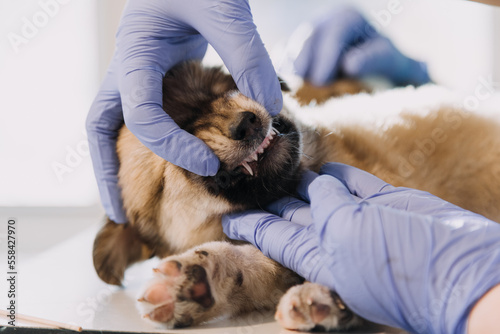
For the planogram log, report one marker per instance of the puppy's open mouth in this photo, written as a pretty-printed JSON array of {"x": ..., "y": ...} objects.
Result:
[{"x": 251, "y": 163}]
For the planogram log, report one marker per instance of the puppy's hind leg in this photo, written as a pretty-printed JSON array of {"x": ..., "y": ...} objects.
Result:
[
  {"x": 116, "y": 247},
  {"x": 213, "y": 280}
]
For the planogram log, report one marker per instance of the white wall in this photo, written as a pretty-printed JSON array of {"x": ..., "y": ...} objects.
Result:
[
  {"x": 49, "y": 76},
  {"x": 48, "y": 84}
]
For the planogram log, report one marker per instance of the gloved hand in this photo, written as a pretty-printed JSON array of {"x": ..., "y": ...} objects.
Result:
[
  {"x": 396, "y": 256},
  {"x": 342, "y": 42},
  {"x": 154, "y": 36}
]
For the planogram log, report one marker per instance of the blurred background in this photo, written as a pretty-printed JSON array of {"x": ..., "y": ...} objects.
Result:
[{"x": 54, "y": 53}]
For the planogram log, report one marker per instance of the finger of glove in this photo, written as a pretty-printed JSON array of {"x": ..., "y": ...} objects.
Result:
[
  {"x": 303, "y": 189},
  {"x": 334, "y": 34},
  {"x": 103, "y": 123},
  {"x": 153, "y": 35},
  {"x": 151, "y": 40},
  {"x": 292, "y": 245},
  {"x": 421, "y": 202},
  {"x": 359, "y": 182},
  {"x": 331, "y": 200},
  {"x": 379, "y": 57},
  {"x": 228, "y": 26},
  {"x": 141, "y": 93},
  {"x": 318, "y": 60},
  {"x": 379, "y": 192},
  {"x": 291, "y": 209}
]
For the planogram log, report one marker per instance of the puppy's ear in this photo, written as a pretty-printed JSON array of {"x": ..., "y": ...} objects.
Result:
[{"x": 116, "y": 247}]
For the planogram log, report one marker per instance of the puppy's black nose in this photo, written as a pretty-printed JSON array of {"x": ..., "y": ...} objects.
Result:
[{"x": 246, "y": 127}]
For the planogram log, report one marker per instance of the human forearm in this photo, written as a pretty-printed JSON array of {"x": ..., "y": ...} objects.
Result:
[{"x": 484, "y": 316}]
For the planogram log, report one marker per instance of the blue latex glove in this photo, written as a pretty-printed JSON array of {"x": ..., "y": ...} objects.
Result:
[
  {"x": 343, "y": 42},
  {"x": 396, "y": 256},
  {"x": 154, "y": 36}
]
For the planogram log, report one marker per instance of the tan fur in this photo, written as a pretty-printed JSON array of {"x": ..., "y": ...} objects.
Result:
[
  {"x": 183, "y": 216},
  {"x": 449, "y": 153},
  {"x": 308, "y": 93}
]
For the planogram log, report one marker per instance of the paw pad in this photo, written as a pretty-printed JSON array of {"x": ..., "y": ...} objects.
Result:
[
  {"x": 170, "y": 268},
  {"x": 312, "y": 306},
  {"x": 178, "y": 290}
]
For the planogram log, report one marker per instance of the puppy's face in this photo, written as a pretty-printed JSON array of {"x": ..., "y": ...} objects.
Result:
[{"x": 259, "y": 155}]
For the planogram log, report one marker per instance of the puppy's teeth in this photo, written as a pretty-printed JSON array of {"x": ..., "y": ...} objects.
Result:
[
  {"x": 340, "y": 305},
  {"x": 276, "y": 132},
  {"x": 254, "y": 156},
  {"x": 247, "y": 167},
  {"x": 260, "y": 150}
]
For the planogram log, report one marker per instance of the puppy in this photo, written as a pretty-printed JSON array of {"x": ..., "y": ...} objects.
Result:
[{"x": 175, "y": 214}]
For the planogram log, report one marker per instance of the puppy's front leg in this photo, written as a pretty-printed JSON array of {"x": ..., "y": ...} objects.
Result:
[{"x": 311, "y": 306}]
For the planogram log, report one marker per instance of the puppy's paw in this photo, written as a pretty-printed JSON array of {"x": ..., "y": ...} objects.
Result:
[
  {"x": 213, "y": 280},
  {"x": 313, "y": 306},
  {"x": 179, "y": 295},
  {"x": 197, "y": 286}
]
